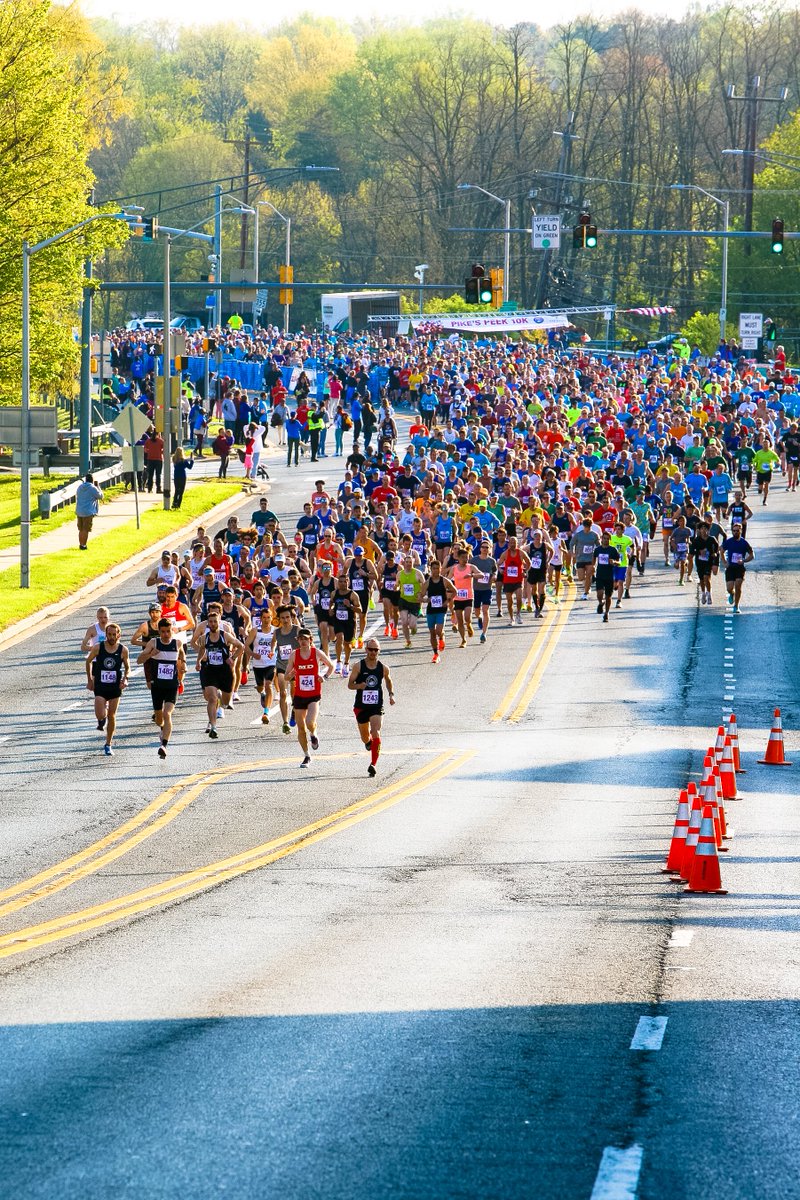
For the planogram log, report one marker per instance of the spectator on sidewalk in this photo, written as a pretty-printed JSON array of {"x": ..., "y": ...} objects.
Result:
[
  {"x": 293, "y": 431},
  {"x": 153, "y": 457},
  {"x": 180, "y": 465},
  {"x": 222, "y": 445},
  {"x": 87, "y": 500}
]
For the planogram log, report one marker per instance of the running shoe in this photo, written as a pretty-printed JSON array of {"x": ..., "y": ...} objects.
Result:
[
  {"x": 314, "y": 742},
  {"x": 435, "y": 658},
  {"x": 730, "y": 597},
  {"x": 386, "y": 631},
  {"x": 584, "y": 596},
  {"x": 736, "y": 608},
  {"x": 229, "y": 707},
  {"x": 441, "y": 643},
  {"x": 306, "y": 761},
  {"x": 244, "y": 678},
  {"x": 470, "y": 630},
  {"x": 265, "y": 718},
  {"x": 236, "y": 698},
  {"x": 599, "y": 608},
  {"x": 483, "y": 637},
  {"x": 618, "y": 604},
  {"x": 371, "y": 770},
  {"x": 212, "y": 733},
  {"x": 394, "y": 632},
  {"x": 360, "y": 643},
  {"x": 605, "y": 616},
  {"x": 519, "y": 618},
  {"x": 101, "y": 724},
  {"x": 627, "y": 593},
  {"x": 108, "y": 751},
  {"x": 285, "y": 726},
  {"x": 292, "y": 722},
  {"x": 162, "y": 751},
  {"x": 220, "y": 714}
]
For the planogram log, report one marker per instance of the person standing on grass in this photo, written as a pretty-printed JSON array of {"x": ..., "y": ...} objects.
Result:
[
  {"x": 87, "y": 500},
  {"x": 180, "y": 465}
]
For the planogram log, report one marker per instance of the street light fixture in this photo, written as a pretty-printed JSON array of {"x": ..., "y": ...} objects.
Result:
[
  {"x": 473, "y": 187},
  {"x": 726, "y": 212}
]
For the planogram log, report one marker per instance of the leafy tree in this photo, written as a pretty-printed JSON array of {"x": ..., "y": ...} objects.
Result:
[
  {"x": 55, "y": 102},
  {"x": 702, "y": 330}
]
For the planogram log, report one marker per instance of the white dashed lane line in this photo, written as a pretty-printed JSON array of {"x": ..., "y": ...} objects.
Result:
[
  {"x": 680, "y": 937},
  {"x": 618, "y": 1174},
  {"x": 649, "y": 1033}
]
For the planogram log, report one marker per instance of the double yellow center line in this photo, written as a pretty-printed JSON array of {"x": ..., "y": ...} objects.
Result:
[
  {"x": 190, "y": 883},
  {"x": 527, "y": 679}
]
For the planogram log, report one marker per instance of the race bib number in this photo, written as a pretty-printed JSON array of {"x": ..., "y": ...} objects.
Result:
[
  {"x": 215, "y": 658},
  {"x": 512, "y": 572},
  {"x": 408, "y": 590},
  {"x": 737, "y": 559},
  {"x": 325, "y": 602},
  {"x": 462, "y": 594},
  {"x": 306, "y": 683},
  {"x": 703, "y": 556},
  {"x": 166, "y": 670},
  {"x": 536, "y": 562},
  {"x": 370, "y": 697},
  {"x": 437, "y": 602},
  {"x": 668, "y": 522},
  {"x": 358, "y": 584},
  {"x": 603, "y": 560},
  {"x": 310, "y": 539},
  {"x": 220, "y": 576},
  {"x": 485, "y": 580},
  {"x": 285, "y": 652},
  {"x": 342, "y": 614},
  {"x": 108, "y": 676}
]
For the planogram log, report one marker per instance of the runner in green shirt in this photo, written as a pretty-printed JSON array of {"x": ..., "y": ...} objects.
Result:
[
  {"x": 764, "y": 461},
  {"x": 623, "y": 543}
]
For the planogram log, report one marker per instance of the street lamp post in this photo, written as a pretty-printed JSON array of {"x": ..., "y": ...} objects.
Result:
[
  {"x": 288, "y": 259},
  {"x": 473, "y": 187},
  {"x": 726, "y": 213},
  {"x": 28, "y": 251},
  {"x": 166, "y": 353}
]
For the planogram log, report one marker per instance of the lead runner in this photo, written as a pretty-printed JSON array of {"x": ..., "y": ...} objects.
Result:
[{"x": 367, "y": 679}]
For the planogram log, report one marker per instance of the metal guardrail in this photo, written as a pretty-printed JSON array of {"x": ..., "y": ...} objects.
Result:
[{"x": 50, "y": 501}]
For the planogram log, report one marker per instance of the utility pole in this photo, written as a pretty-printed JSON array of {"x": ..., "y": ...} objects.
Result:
[
  {"x": 218, "y": 253},
  {"x": 166, "y": 377},
  {"x": 564, "y": 162},
  {"x": 243, "y": 237},
  {"x": 85, "y": 396},
  {"x": 752, "y": 100}
]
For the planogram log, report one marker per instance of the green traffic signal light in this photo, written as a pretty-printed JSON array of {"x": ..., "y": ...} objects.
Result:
[
  {"x": 591, "y": 236},
  {"x": 777, "y": 236},
  {"x": 486, "y": 291}
]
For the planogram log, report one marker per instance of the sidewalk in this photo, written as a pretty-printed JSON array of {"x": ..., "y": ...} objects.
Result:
[{"x": 112, "y": 515}]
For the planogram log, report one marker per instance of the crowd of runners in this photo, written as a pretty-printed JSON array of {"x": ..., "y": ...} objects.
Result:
[{"x": 495, "y": 480}]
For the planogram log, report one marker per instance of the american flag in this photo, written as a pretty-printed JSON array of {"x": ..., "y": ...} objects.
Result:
[{"x": 657, "y": 310}]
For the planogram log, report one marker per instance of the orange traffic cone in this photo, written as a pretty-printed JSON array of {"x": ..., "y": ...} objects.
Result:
[
  {"x": 704, "y": 876},
  {"x": 678, "y": 843},
  {"x": 727, "y": 772},
  {"x": 723, "y": 824},
  {"x": 733, "y": 732},
  {"x": 692, "y": 837},
  {"x": 720, "y": 742},
  {"x": 713, "y": 796},
  {"x": 774, "y": 755}
]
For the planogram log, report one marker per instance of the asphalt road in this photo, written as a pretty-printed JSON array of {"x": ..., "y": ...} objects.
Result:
[{"x": 268, "y": 982}]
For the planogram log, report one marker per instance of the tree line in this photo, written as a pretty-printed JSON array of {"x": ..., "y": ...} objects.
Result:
[{"x": 406, "y": 115}]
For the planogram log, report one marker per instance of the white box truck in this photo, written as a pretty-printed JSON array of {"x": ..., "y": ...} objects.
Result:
[{"x": 347, "y": 312}]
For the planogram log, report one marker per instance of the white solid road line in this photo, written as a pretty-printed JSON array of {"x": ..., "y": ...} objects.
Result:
[
  {"x": 618, "y": 1174},
  {"x": 75, "y": 704},
  {"x": 649, "y": 1033},
  {"x": 681, "y": 937}
]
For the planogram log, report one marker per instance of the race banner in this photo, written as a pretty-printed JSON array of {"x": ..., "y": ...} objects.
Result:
[{"x": 490, "y": 322}]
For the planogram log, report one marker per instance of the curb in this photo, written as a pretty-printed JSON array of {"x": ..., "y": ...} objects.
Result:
[{"x": 28, "y": 626}]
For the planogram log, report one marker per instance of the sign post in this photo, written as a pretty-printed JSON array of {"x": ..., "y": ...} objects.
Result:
[
  {"x": 132, "y": 424},
  {"x": 546, "y": 232}
]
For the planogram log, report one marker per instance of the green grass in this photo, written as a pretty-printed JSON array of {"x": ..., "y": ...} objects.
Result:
[
  {"x": 54, "y": 576},
  {"x": 9, "y": 506}
]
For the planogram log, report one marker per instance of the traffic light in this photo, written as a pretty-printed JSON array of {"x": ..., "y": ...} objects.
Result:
[
  {"x": 285, "y": 276},
  {"x": 485, "y": 290},
  {"x": 472, "y": 286},
  {"x": 149, "y": 229},
  {"x": 777, "y": 236},
  {"x": 497, "y": 277},
  {"x": 584, "y": 234}
]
